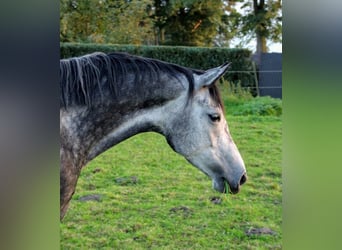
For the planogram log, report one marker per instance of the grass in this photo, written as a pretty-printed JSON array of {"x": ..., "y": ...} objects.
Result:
[{"x": 152, "y": 198}]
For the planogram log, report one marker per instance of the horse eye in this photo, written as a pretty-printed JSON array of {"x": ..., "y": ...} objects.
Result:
[{"x": 214, "y": 117}]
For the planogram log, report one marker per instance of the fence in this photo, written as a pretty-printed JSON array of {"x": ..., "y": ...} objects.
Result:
[{"x": 270, "y": 75}]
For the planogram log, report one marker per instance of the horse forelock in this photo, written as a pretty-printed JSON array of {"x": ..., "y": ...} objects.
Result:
[
  {"x": 215, "y": 95},
  {"x": 84, "y": 80}
]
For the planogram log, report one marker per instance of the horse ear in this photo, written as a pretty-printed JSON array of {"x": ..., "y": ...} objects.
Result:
[{"x": 210, "y": 76}]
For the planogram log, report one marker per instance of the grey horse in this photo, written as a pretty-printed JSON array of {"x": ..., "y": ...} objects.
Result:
[{"x": 107, "y": 98}]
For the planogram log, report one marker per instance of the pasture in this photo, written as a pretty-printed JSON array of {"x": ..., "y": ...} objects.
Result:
[{"x": 142, "y": 195}]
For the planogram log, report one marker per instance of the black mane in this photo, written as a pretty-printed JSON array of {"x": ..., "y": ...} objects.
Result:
[{"x": 90, "y": 79}]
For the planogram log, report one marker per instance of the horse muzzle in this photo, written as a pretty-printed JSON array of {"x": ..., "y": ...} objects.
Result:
[{"x": 219, "y": 184}]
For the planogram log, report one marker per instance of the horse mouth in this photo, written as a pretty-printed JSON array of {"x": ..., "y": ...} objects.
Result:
[
  {"x": 222, "y": 185},
  {"x": 227, "y": 188}
]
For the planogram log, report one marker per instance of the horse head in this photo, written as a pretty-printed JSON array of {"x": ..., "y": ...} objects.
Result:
[{"x": 200, "y": 133}]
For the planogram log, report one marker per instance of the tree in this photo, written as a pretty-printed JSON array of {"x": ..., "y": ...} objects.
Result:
[
  {"x": 82, "y": 21},
  {"x": 262, "y": 21},
  {"x": 228, "y": 28},
  {"x": 106, "y": 21},
  {"x": 187, "y": 22},
  {"x": 169, "y": 22},
  {"x": 131, "y": 23}
]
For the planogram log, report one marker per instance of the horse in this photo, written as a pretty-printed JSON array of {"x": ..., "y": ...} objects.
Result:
[{"x": 107, "y": 98}]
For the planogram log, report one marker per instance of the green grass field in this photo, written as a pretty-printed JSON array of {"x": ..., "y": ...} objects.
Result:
[{"x": 149, "y": 197}]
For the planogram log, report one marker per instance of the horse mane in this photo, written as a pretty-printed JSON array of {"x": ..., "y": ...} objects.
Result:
[{"x": 85, "y": 79}]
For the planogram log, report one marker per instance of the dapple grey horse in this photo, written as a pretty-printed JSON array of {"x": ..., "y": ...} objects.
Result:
[{"x": 107, "y": 98}]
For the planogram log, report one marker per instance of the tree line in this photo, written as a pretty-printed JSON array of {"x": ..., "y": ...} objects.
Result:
[{"x": 171, "y": 22}]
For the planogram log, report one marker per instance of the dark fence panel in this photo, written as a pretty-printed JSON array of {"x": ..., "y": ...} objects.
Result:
[{"x": 270, "y": 75}]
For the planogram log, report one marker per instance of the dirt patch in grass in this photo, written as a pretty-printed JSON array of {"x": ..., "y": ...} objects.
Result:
[
  {"x": 90, "y": 197},
  {"x": 259, "y": 231},
  {"x": 182, "y": 210},
  {"x": 123, "y": 181}
]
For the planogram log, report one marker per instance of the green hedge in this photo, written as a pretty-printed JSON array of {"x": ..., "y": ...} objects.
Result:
[{"x": 193, "y": 57}]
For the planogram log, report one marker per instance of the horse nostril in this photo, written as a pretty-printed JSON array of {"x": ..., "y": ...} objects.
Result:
[{"x": 243, "y": 179}]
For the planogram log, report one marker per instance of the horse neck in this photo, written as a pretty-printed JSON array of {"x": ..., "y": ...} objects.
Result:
[
  {"x": 93, "y": 131},
  {"x": 152, "y": 119}
]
